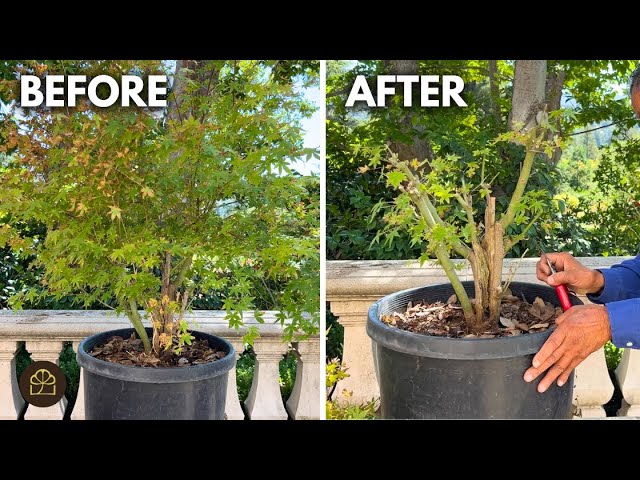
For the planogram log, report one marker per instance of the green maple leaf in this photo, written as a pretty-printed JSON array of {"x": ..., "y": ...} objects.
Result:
[
  {"x": 395, "y": 178},
  {"x": 115, "y": 212}
]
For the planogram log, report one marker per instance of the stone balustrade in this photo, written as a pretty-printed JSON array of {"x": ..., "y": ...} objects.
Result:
[
  {"x": 45, "y": 332},
  {"x": 353, "y": 285}
]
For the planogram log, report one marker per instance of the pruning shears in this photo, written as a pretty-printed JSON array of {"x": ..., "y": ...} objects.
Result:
[{"x": 561, "y": 290}]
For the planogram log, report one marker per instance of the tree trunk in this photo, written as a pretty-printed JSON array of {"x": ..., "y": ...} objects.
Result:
[
  {"x": 486, "y": 265},
  {"x": 419, "y": 148},
  {"x": 177, "y": 90},
  {"x": 207, "y": 78},
  {"x": 528, "y": 98},
  {"x": 493, "y": 244},
  {"x": 494, "y": 92}
]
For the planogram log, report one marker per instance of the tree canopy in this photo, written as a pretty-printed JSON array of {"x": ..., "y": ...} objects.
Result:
[{"x": 155, "y": 209}]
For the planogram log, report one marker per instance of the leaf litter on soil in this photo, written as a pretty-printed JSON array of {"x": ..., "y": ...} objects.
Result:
[
  {"x": 130, "y": 351},
  {"x": 447, "y": 319}
]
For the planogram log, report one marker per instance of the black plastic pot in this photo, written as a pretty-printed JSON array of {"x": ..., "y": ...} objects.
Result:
[
  {"x": 121, "y": 392},
  {"x": 424, "y": 376}
]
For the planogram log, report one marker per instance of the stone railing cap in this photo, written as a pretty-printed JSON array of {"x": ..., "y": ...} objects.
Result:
[
  {"x": 78, "y": 324},
  {"x": 375, "y": 278}
]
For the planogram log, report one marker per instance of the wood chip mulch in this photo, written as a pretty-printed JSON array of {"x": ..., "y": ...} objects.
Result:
[
  {"x": 130, "y": 351},
  {"x": 517, "y": 317}
]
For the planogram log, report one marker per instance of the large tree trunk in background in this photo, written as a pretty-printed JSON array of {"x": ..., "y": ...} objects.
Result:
[
  {"x": 206, "y": 77},
  {"x": 528, "y": 99},
  {"x": 554, "y": 84},
  {"x": 401, "y": 67},
  {"x": 177, "y": 89},
  {"x": 419, "y": 148},
  {"x": 553, "y": 89},
  {"x": 494, "y": 91}
]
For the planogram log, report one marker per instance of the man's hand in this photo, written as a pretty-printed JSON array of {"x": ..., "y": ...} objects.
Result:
[
  {"x": 580, "y": 331},
  {"x": 571, "y": 272}
]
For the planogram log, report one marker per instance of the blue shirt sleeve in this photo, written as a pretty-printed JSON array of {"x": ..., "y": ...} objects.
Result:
[
  {"x": 621, "y": 294},
  {"x": 624, "y": 318}
]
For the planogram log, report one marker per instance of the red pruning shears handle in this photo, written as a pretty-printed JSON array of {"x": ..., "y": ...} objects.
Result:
[
  {"x": 563, "y": 295},
  {"x": 561, "y": 290}
]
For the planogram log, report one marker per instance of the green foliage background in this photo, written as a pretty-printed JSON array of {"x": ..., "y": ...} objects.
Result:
[{"x": 591, "y": 191}]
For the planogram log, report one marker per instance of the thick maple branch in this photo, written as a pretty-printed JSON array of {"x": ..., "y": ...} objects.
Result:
[
  {"x": 136, "y": 321},
  {"x": 523, "y": 179},
  {"x": 450, "y": 270},
  {"x": 466, "y": 203},
  {"x": 182, "y": 271},
  {"x": 426, "y": 207}
]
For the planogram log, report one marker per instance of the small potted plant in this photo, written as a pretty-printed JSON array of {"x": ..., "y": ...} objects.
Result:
[
  {"x": 146, "y": 211},
  {"x": 459, "y": 350}
]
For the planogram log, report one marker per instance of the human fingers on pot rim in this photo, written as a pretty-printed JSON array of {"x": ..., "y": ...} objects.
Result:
[{"x": 553, "y": 343}]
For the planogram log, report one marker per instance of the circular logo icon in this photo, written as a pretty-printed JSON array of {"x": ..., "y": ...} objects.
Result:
[{"x": 42, "y": 384}]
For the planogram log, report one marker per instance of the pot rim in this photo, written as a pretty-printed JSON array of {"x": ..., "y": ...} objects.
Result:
[
  {"x": 133, "y": 373},
  {"x": 456, "y": 348}
]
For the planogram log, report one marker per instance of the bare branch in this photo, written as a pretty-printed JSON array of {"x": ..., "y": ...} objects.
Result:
[
  {"x": 523, "y": 179},
  {"x": 600, "y": 127}
]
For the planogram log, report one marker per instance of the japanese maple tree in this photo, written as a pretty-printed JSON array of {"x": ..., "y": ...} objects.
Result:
[
  {"x": 429, "y": 190},
  {"x": 148, "y": 209}
]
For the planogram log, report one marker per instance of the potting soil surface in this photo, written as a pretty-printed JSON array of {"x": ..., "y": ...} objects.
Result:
[
  {"x": 130, "y": 351},
  {"x": 517, "y": 317}
]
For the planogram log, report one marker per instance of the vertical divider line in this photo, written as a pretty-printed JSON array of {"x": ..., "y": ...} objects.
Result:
[{"x": 323, "y": 230}]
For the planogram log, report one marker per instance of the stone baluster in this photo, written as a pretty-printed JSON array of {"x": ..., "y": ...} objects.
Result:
[
  {"x": 11, "y": 402},
  {"x": 628, "y": 375},
  {"x": 233, "y": 409},
  {"x": 47, "y": 351},
  {"x": 592, "y": 386},
  {"x": 304, "y": 402},
  {"x": 78, "y": 408},
  {"x": 357, "y": 354},
  {"x": 265, "y": 401}
]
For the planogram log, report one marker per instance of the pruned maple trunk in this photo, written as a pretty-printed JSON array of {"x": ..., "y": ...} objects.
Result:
[
  {"x": 161, "y": 312},
  {"x": 169, "y": 311},
  {"x": 486, "y": 264}
]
